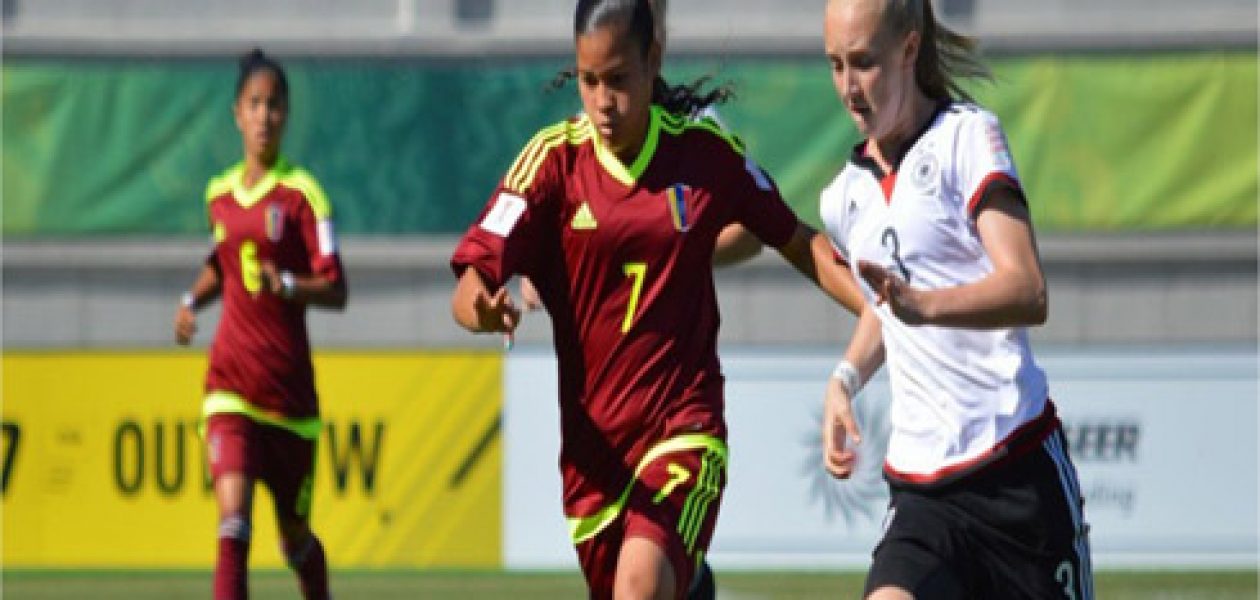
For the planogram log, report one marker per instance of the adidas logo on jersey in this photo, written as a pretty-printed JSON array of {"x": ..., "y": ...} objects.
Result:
[{"x": 583, "y": 219}]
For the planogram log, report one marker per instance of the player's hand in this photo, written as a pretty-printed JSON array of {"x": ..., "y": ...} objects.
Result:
[
  {"x": 497, "y": 313},
  {"x": 529, "y": 295},
  {"x": 904, "y": 301},
  {"x": 185, "y": 325},
  {"x": 270, "y": 276},
  {"x": 840, "y": 432}
]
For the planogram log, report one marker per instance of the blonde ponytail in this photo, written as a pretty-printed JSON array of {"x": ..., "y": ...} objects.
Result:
[{"x": 945, "y": 56}]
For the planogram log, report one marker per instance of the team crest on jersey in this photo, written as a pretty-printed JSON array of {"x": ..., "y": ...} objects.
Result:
[
  {"x": 583, "y": 219},
  {"x": 676, "y": 198},
  {"x": 998, "y": 146},
  {"x": 925, "y": 171},
  {"x": 275, "y": 222}
]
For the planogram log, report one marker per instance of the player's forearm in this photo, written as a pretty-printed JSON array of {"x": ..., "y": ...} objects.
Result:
[
  {"x": 735, "y": 244},
  {"x": 319, "y": 291},
  {"x": 1014, "y": 298},
  {"x": 205, "y": 288},
  {"x": 799, "y": 253},
  {"x": 866, "y": 347},
  {"x": 835, "y": 279},
  {"x": 810, "y": 253},
  {"x": 464, "y": 300}
]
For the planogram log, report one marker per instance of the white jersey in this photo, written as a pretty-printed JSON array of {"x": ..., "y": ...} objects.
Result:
[{"x": 959, "y": 394}]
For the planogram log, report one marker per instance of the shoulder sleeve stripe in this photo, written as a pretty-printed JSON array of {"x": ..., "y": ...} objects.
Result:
[
  {"x": 976, "y": 202},
  {"x": 217, "y": 187},
  {"x": 305, "y": 182},
  {"x": 566, "y": 132},
  {"x": 529, "y": 167},
  {"x": 222, "y": 183},
  {"x": 530, "y": 151},
  {"x": 676, "y": 125}
]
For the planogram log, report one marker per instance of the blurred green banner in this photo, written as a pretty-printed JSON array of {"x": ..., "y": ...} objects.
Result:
[{"x": 113, "y": 147}]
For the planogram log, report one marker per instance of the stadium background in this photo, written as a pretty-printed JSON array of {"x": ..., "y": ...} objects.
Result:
[{"x": 1133, "y": 123}]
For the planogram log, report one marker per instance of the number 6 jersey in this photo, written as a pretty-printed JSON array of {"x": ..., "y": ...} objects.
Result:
[
  {"x": 261, "y": 351},
  {"x": 961, "y": 396}
]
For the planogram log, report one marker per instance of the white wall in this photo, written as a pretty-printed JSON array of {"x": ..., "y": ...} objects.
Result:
[
  {"x": 1164, "y": 440},
  {"x": 443, "y": 27}
]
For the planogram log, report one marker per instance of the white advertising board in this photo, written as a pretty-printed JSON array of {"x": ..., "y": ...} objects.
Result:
[{"x": 1165, "y": 443}]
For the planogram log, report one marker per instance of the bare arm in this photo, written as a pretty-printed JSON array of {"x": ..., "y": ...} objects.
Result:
[
  {"x": 836, "y": 278},
  {"x": 204, "y": 290},
  {"x": 479, "y": 311},
  {"x": 1013, "y": 295},
  {"x": 866, "y": 353},
  {"x": 735, "y": 244},
  {"x": 310, "y": 289},
  {"x": 810, "y": 253},
  {"x": 529, "y": 294}
]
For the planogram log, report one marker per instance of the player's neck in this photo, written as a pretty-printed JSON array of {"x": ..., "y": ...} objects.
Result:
[
  {"x": 256, "y": 167},
  {"x": 887, "y": 151}
]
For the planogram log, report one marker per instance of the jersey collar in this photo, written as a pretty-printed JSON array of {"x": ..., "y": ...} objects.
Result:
[
  {"x": 247, "y": 197},
  {"x": 629, "y": 175},
  {"x": 860, "y": 158}
]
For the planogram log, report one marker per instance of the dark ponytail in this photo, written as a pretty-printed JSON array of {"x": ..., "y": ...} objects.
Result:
[
  {"x": 254, "y": 61},
  {"x": 642, "y": 25},
  {"x": 688, "y": 99}
]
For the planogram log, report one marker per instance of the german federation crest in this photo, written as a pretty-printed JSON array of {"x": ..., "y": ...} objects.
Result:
[{"x": 926, "y": 170}]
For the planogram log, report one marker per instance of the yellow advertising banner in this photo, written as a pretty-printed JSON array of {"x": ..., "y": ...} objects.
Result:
[{"x": 103, "y": 466}]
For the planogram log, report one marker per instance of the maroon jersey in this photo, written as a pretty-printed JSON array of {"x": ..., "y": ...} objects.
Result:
[
  {"x": 261, "y": 350},
  {"x": 622, "y": 258}
]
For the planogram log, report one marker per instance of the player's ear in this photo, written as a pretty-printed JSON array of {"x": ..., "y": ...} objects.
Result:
[
  {"x": 236, "y": 114},
  {"x": 655, "y": 59},
  {"x": 911, "y": 48}
]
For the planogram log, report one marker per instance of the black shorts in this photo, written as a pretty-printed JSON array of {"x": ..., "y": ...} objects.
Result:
[{"x": 1012, "y": 531}]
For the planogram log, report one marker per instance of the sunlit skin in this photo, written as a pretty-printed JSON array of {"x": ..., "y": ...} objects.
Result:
[
  {"x": 873, "y": 72},
  {"x": 261, "y": 111},
  {"x": 615, "y": 80}
]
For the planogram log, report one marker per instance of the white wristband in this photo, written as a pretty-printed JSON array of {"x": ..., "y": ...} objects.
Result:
[
  {"x": 850, "y": 378},
  {"x": 288, "y": 284},
  {"x": 187, "y": 300}
]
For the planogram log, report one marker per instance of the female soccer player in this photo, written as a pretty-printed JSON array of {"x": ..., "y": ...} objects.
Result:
[
  {"x": 274, "y": 254},
  {"x": 614, "y": 216},
  {"x": 734, "y": 244},
  {"x": 930, "y": 214}
]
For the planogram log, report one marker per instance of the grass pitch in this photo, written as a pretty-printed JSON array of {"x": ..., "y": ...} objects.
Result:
[{"x": 384, "y": 585}]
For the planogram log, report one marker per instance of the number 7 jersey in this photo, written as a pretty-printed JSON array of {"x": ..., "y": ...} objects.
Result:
[
  {"x": 260, "y": 350},
  {"x": 622, "y": 258}
]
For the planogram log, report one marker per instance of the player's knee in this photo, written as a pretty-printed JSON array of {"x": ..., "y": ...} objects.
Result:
[
  {"x": 642, "y": 584},
  {"x": 236, "y": 527}
]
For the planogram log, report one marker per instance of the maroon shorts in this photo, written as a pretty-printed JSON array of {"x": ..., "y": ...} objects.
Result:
[
  {"x": 282, "y": 460},
  {"x": 674, "y": 503}
]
